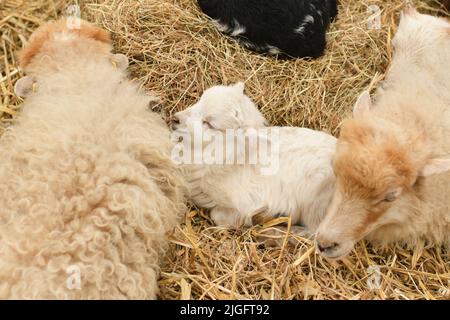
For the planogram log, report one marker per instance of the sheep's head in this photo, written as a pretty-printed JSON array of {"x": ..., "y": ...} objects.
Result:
[
  {"x": 417, "y": 32},
  {"x": 221, "y": 108},
  {"x": 48, "y": 47},
  {"x": 374, "y": 172},
  {"x": 45, "y": 39}
]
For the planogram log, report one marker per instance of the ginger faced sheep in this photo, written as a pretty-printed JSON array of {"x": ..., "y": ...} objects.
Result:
[
  {"x": 392, "y": 160},
  {"x": 240, "y": 193},
  {"x": 88, "y": 187}
]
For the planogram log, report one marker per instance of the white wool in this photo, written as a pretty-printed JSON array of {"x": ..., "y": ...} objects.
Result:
[{"x": 301, "y": 188}]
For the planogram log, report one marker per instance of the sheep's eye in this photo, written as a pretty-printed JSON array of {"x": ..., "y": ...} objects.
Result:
[{"x": 391, "y": 196}]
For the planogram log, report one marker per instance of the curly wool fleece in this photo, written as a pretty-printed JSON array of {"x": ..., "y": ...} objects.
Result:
[{"x": 88, "y": 187}]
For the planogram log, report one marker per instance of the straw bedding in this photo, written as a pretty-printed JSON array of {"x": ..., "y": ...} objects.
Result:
[{"x": 176, "y": 52}]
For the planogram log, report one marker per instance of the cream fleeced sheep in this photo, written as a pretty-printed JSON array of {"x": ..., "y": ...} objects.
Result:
[
  {"x": 298, "y": 180},
  {"x": 393, "y": 159},
  {"x": 88, "y": 188}
]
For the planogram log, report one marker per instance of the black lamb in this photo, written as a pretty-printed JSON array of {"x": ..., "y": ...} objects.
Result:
[{"x": 288, "y": 28}]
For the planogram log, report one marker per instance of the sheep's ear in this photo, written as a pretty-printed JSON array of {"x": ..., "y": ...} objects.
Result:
[
  {"x": 362, "y": 105},
  {"x": 240, "y": 86},
  {"x": 409, "y": 8},
  {"x": 24, "y": 86},
  {"x": 435, "y": 166},
  {"x": 120, "y": 60}
]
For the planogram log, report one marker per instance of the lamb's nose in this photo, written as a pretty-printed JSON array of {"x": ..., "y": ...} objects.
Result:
[
  {"x": 174, "y": 122},
  {"x": 325, "y": 246}
]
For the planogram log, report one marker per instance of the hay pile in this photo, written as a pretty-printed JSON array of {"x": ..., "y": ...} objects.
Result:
[{"x": 175, "y": 52}]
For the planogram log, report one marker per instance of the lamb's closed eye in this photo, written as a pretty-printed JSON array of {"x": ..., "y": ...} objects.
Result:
[{"x": 208, "y": 123}]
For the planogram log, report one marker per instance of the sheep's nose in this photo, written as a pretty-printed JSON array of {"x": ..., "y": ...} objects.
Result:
[{"x": 326, "y": 246}]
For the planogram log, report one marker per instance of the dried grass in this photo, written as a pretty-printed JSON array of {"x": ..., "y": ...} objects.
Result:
[{"x": 176, "y": 52}]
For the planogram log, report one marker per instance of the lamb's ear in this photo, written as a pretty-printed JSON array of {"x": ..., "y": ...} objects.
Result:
[
  {"x": 120, "y": 60},
  {"x": 24, "y": 86},
  {"x": 435, "y": 166},
  {"x": 240, "y": 86},
  {"x": 409, "y": 8},
  {"x": 362, "y": 105}
]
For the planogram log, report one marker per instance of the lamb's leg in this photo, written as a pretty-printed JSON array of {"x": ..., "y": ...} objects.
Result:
[
  {"x": 228, "y": 217},
  {"x": 275, "y": 236},
  {"x": 225, "y": 217}
]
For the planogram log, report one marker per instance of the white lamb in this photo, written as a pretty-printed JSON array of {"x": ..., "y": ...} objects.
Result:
[{"x": 301, "y": 185}]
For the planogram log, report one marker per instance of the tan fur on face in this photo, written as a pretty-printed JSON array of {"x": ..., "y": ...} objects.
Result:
[
  {"x": 368, "y": 164},
  {"x": 372, "y": 159},
  {"x": 45, "y": 33}
]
